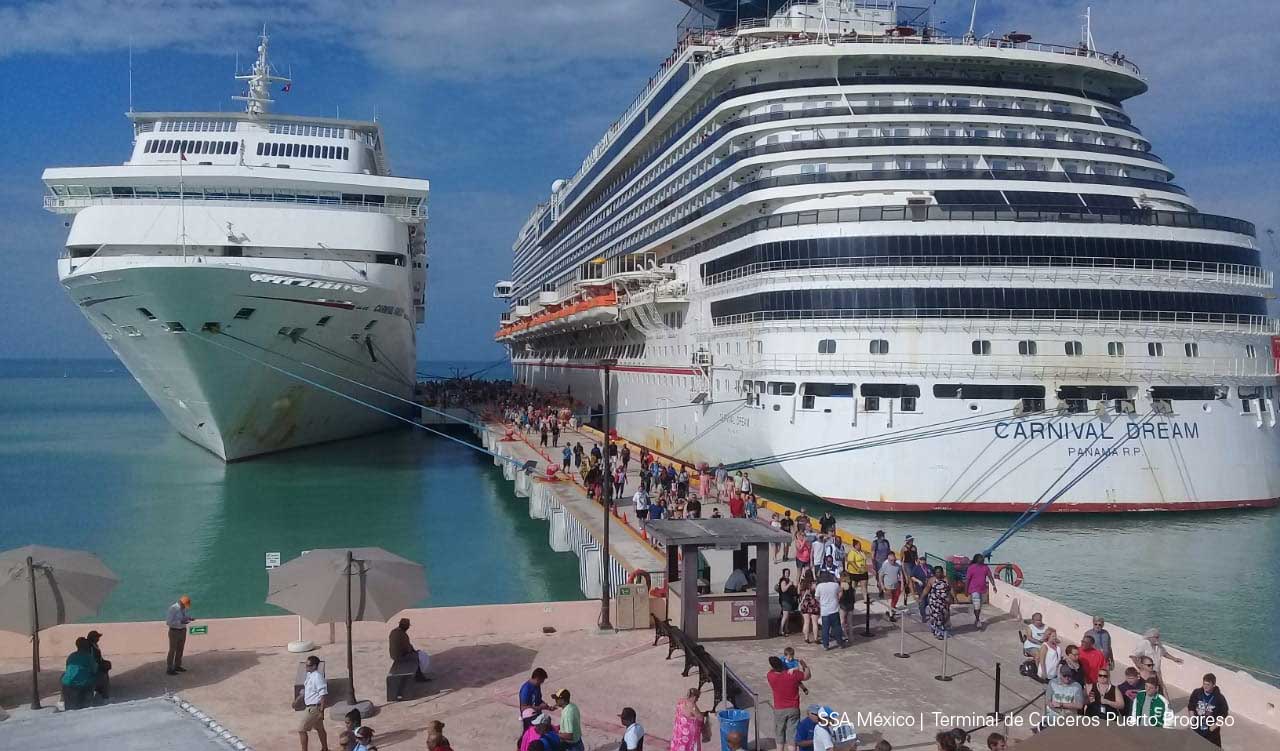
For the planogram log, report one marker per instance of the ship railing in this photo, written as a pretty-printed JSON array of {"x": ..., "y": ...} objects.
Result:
[
  {"x": 984, "y": 266},
  {"x": 1236, "y": 323},
  {"x": 74, "y": 203},
  {"x": 1015, "y": 367}
]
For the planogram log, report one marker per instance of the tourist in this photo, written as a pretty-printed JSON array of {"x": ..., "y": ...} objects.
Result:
[
  {"x": 751, "y": 506},
  {"x": 566, "y": 456},
  {"x": 1035, "y": 635},
  {"x": 855, "y": 563},
  {"x": 436, "y": 741},
  {"x": 1092, "y": 660},
  {"x": 578, "y": 453},
  {"x": 827, "y": 523},
  {"x": 802, "y": 523},
  {"x": 1150, "y": 647},
  {"x": 848, "y": 603},
  {"x": 313, "y": 693},
  {"x": 787, "y": 525},
  {"x": 1064, "y": 698},
  {"x": 997, "y": 742},
  {"x": 364, "y": 739},
  {"x": 633, "y": 734},
  {"x": 737, "y": 581},
  {"x": 828, "y": 594},
  {"x": 817, "y": 549},
  {"x": 1050, "y": 656},
  {"x": 624, "y": 457},
  {"x": 682, "y": 482},
  {"x": 879, "y": 554},
  {"x": 1071, "y": 658},
  {"x": 686, "y": 730},
  {"x": 810, "y": 609},
  {"x": 977, "y": 576},
  {"x": 555, "y": 433},
  {"x": 531, "y": 739},
  {"x": 177, "y": 619},
  {"x": 641, "y": 500},
  {"x": 823, "y": 740},
  {"x": 806, "y": 726},
  {"x": 1104, "y": 699},
  {"x": 79, "y": 676},
  {"x": 830, "y": 568},
  {"x": 804, "y": 553},
  {"x": 737, "y": 506},
  {"x": 1102, "y": 639},
  {"x": 938, "y": 609},
  {"x": 785, "y": 685},
  {"x": 909, "y": 556},
  {"x": 531, "y": 694},
  {"x": 889, "y": 577},
  {"x": 788, "y": 600},
  {"x": 946, "y": 741},
  {"x": 917, "y": 575},
  {"x": 789, "y": 659},
  {"x": 1150, "y": 707},
  {"x": 693, "y": 508},
  {"x": 619, "y": 481},
  {"x": 102, "y": 681},
  {"x": 400, "y": 647},
  {"x": 1208, "y": 707},
  {"x": 744, "y": 482},
  {"x": 542, "y": 434},
  {"x": 570, "y": 721},
  {"x": 1129, "y": 688},
  {"x": 347, "y": 737}
]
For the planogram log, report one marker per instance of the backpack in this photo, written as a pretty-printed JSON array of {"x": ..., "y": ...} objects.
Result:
[{"x": 1028, "y": 668}]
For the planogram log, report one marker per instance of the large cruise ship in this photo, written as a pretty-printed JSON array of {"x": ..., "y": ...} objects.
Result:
[
  {"x": 246, "y": 266},
  {"x": 903, "y": 271}
]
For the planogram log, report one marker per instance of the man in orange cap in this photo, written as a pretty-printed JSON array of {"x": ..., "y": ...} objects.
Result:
[{"x": 177, "y": 621}]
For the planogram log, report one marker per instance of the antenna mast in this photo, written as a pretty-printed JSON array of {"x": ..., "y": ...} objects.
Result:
[
  {"x": 260, "y": 79},
  {"x": 130, "y": 75},
  {"x": 1086, "y": 31},
  {"x": 969, "y": 36}
]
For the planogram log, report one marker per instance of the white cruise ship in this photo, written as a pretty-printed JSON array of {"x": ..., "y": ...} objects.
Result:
[
  {"x": 245, "y": 266},
  {"x": 904, "y": 271}
]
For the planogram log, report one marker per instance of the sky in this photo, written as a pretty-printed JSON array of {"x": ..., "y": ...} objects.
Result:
[{"x": 493, "y": 100}]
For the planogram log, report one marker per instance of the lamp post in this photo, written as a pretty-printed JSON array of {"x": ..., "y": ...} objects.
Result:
[{"x": 606, "y": 496}]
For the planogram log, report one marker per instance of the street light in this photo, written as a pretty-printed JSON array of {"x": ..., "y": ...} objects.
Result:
[{"x": 606, "y": 495}]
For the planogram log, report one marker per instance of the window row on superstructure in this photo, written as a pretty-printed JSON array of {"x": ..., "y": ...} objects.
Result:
[
  {"x": 194, "y": 126},
  {"x": 73, "y": 196},
  {"x": 304, "y": 150},
  {"x": 305, "y": 129},
  {"x": 184, "y": 146}
]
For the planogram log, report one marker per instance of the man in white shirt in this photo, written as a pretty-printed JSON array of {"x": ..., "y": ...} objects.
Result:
[
  {"x": 1150, "y": 648},
  {"x": 633, "y": 736},
  {"x": 314, "y": 692},
  {"x": 641, "y": 500},
  {"x": 828, "y": 592}
]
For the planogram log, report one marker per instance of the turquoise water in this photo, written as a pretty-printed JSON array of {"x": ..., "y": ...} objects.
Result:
[{"x": 87, "y": 462}]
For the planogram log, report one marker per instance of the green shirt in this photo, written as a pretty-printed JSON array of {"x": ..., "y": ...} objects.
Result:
[
  {"x": 1152, "y": 711},
  {"x": 82, "y": 669},
  {"x": 571, "y": 721}
]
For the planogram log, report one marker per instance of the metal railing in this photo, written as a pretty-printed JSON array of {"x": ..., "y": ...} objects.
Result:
[
  {"x": 980, "y": 266},
  {"x": 1233, "y": 322},
  {"x": 59, "y": 204},
  {"x": 1108, "y": 370}
]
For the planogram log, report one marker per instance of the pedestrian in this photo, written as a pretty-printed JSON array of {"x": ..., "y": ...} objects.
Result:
[
  {"x": 531, "y": 695},
  {"x": 916, "y": 575},
  {"x": 889, "y": 577},
  {"x": 1051, "y": 655},
  {"x": 542, "y": 435},
  {"x": 1103, "y": 698},
  {"x": 751, "y": 505},
  {"x": 350, "y": 723},
  {"x": 804, "y": 553},
  {"x": 976, "y": 578},
  {"x": 641, "y": 501},
  {"x": 1035, "y": 635},
  {"x": 570, "y": 721},
  {"x": 577, "y": 454},
  {"x": 823, "y": 740},
  {"x": 997, "y": 742},
  {"x": 313, "y": 694},
  {"x": 1092, "y": 661},
  {"x": 177, "y": 619},
  {"x": 102, "y": 680},
  {"x": 1208, "y": 709},
  {"x": 879, "y": 554},
  {"x": 633, "y": 735},
  {"x": 437, "y": 742},
  {"x": 855, "y": 563},
  {"x": 744, "y": 482},
  {"x": 785, "y": 686},
  {"x": 1150, "y": 707},
  {"x": 788, "y": 600},
  {"x": 828, "y": 594},
  {"x": 848, "y": 603},
  {"x": 566, "y": 457},
  {"x": 1150, "y": 647},
  {"x": 1129, "y": 688},
  {"x": 686, "y": 729},
  {"x": 938, "y": 609},
  {"x": 1064, "y": 698},
  {"x": 534, "y": 735},
  {"x": 399, "y": 646},
  {"x": 555, "y": 433},
  {"x": 802, "y": 523},
  {"x": 693, "y": 508},
  {"x": 810, "y": 609},
  {"x": 786, "y": 524},
  {"x": 806, "y": 726},
  {"x": 79, "y": 676},
  {"x": 364, "y": 739},
  {"x": 1102, "y": 639},
  {"x": 827, "y": 523},
  {"x": 737, "y": 506}
]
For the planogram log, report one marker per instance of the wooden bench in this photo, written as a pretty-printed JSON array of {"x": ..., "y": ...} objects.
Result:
[
  {"x": 300, "y": 675},
  {"x": 401, "y": 671},
  {"x": 695, "y": 656}
]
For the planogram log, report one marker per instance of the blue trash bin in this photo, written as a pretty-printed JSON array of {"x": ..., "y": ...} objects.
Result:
[{"x": 731, "y": 720}]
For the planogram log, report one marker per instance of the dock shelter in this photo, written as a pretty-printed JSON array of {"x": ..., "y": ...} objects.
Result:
[{"x": 698, "y": 611}]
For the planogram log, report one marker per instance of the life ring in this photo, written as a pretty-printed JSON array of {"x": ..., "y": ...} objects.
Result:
[
  {"x": 1010, "y": 573},
  {"x": 640, "y": 575}
]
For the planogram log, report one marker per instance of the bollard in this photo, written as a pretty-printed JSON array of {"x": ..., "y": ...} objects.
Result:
[
  {"x": 902, "y": 639},
  {"x": 946, "y": 639},
  {"x": 866, "y": 630}
]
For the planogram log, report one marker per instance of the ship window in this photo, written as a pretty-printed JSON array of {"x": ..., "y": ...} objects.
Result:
[
  {"x": 1155, "y": 349},
  {"x": 981, "y": 346},
  {"x": 871, "y": 404},
  {"x": 370, "y": 325},
  {"x": 1027, "y": 347},
  {"x": 275, "y": 150},
  {"x": 345, "y": 152},
  {"x": 235, "y": 147},
  {"x": 1115, "y": 349},
  {"x": 1192, "y": 349},
  {"x": 146, "y": 314},
  {"x": 261, "y": 147},
  {"x": 843, "y": 390},
  {"x": 879, "y": 346},
  {"x": 323, "y": 321},
  {"x": 826, "y": 346},
  {"x": 908, "y": 404},
  {"x": 782, "y": 388},
  {"x": 243, "y": 314},
  {"x": 174, "y": 327},
  {"x": 1073, "y": 349}
]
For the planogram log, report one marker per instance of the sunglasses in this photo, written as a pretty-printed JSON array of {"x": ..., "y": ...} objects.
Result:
[{"x": 1104, "y": 675}]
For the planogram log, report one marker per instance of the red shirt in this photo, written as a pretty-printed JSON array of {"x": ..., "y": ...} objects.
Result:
[
  {"x": 786, "y": 688},
  {"x": 1091, "y": 661},
  {"x": 736, "y": 506}
]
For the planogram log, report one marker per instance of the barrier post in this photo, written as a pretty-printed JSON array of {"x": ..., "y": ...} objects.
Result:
[
  {"x": 996, "y": 711},
  {"x": 866, "y": 630},
  {"x": 946, "y": 639},
  {"x": 902, "y": 639}
]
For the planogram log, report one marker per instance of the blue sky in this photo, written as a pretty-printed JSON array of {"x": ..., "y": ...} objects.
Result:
[{"x": 494, "y": 100}]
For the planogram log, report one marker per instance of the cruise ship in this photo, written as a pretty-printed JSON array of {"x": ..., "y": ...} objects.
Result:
[
  {"x": 899, "y": 270},
  {"x": 262, "y": 276}
]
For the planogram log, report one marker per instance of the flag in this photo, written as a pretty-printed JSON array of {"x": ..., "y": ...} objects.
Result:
[
  {"x": 287, "y": 87},
  {"x": 182, "y": 155}
]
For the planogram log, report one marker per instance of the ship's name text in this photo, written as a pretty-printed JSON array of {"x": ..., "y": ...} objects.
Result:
[
  {"x": 298, "y": 281},
  {"x": 1031, "y": 430}
]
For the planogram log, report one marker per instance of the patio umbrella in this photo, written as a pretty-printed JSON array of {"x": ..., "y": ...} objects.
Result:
[
  {"x": 42, "y": 587},
  {"x": 356, "y": 584}
]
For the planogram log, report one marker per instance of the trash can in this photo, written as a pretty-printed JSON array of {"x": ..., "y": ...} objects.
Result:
[{"x": 731, "y": 720}]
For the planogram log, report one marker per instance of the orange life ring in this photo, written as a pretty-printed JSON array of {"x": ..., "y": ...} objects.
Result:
[
  {"x": 640, "y": 575},
  {"x": 1009, "y": 573}
]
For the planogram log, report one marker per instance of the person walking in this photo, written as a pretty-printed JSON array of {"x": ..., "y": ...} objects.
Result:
[
  {"x": 177, "y": 619},
  {"x": 880, "y": 549},
  {"x": 938, "y": 611},
  {"x": 633, "y": 735},
  {"x": 810, "y": 609},
  {"x": 848, "y": 604},
  {"x": 788, "y": 600},
  {"x": 1208, "y": 708},
  {"x": 570, "y": 721},
  {"x": 889, "y": 577},
  {"x": 566, "y": 456},
  {"x": 976, "y": 578},
  {"x": 1102, "y": 639},
  {"x": 314, "y": 693},
  {"x": 785, "y": 685},
  {"x": 686, "y": 730},
  {"x": 828, "y": 594}
]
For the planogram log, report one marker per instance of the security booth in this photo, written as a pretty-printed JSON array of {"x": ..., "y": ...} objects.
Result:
[{"x": 699, "y": 605}]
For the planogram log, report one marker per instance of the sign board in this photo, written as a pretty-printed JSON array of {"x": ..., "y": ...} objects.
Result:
[
  {"x": 624, "y": 590},
  {"x": 706, "y": 606},
  {"x": 273, "y": 560},
  {"x": 197, "y": 630},
  {"x": 743, "y": 610}
]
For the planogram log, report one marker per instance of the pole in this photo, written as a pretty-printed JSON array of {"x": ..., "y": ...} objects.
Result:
[
  {"x": 35, "y": 636},
  {"x": 946, "y": 639},
  {"x": 351, "y": 676},
  {"x": 606, "y": 495},
  {"x": 902, "y": 638},
  {"x": 866, "y": 629},
  {"x": 996, "y": 711}
]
